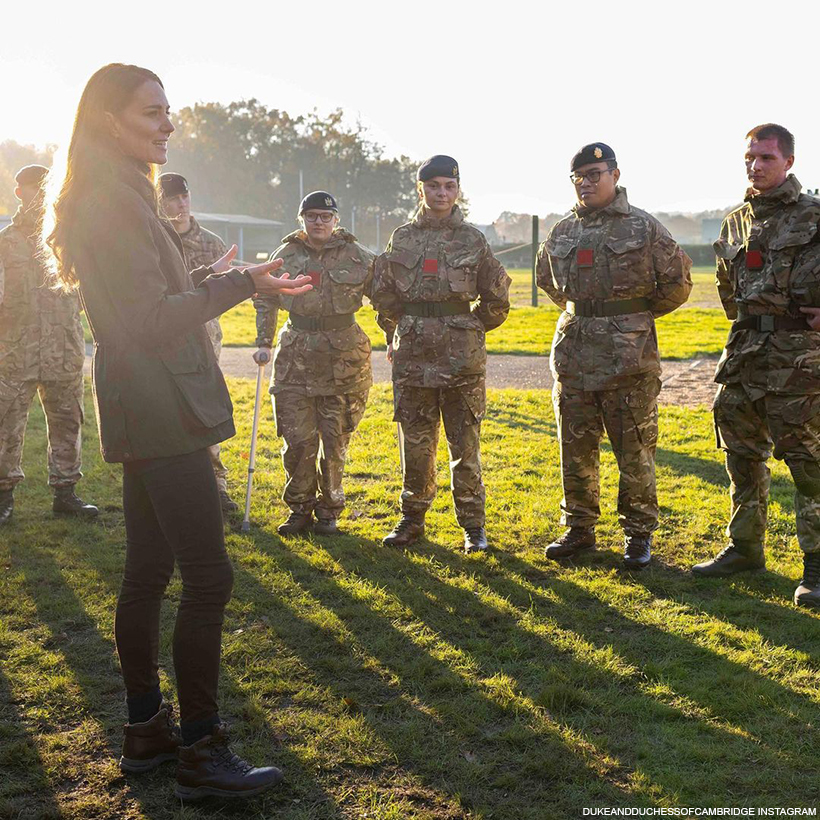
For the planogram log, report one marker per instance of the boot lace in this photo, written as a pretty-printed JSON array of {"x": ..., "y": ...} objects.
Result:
[{"x": 228, "y": 759}]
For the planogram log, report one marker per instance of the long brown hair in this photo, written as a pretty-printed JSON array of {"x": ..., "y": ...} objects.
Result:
[{"x": 92, "y": 159}]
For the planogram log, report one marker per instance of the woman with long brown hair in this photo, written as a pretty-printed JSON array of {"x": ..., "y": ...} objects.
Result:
[{"x": 161, "y": 401}]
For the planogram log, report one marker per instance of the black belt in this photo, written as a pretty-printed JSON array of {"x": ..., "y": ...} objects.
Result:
[
  {"x": 432, "y": 310},
  {"x": 337, "y": 322},
  {"x": 768, "y": 323},
  {"x": 601, "y": 307}
]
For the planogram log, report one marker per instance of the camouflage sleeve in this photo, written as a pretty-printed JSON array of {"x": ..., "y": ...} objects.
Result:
[
  {"x": 267, "y": 315},
  {"x": 384, "y": 297},
  {"x": 724, "y": 278},
  {"x": 493, "y": 305},
  {"x": 673, "y": 279},
  {"x": 544, "y": 278}
]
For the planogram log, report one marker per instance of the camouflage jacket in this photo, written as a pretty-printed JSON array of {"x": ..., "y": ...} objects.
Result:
[
  {"x": 768, "y": 262},
  {"x": 41, "y": 337},
  {"x": 439, "y": 260},
  {"x": 320, "y": 362},
  {"x": 625, "y": 253},
  {"x": 202, "y": 248}
]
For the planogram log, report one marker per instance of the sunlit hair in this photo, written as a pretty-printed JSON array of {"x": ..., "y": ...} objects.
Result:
[
  {"x": 772, "y": 131},
  {"x": 92, "y": 159}
]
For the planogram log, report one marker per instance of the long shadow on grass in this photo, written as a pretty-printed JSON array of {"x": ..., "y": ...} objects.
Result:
[
  {"x": 566, "y": 684},
  {"x": 90, "y": 656},
  {"x": 430, "y": 717},
  {"x": 732, "y": 692},
  {"x": 233, "y": 700},
  {"x": 25, "y": 790}
]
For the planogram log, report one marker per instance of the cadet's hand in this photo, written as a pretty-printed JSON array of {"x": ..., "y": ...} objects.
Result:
[
  {"x": 812, "y": 316},
  {"x": 390, "y": 353},
  {"x": 267, "y": 285},
  {"x": 262, "y": 356},
  {"x": 224, "y": 262}
]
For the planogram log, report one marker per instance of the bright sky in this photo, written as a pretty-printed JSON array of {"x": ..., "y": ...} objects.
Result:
[{"x": 511, "y": 90}]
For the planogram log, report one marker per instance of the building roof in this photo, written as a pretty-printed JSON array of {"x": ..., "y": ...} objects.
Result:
[{"x": 238, "y": 219}]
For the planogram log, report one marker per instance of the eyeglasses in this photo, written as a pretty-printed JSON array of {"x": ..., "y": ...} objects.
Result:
[
  {"x": 591, "y": 176},
  {"x": 325, "y": 216}
]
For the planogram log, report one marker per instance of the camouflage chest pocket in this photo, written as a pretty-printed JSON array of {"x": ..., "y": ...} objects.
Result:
[
  {"x": 462, "y": 271},
  {"x": 404, "y": 265},
  {"x": 629, "y": 259},
  {"x": 561, "y": 251},
  {"x": 348, "y": 286},
  {"x": 19, "y": 280},
  {"x": 796, "y": 257}
]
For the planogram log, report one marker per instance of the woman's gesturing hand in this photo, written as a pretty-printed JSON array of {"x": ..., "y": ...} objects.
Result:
[{"x": 261, "y": 275}]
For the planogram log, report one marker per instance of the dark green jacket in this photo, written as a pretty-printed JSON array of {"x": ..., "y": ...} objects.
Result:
[{"x": 158, "y": 389}]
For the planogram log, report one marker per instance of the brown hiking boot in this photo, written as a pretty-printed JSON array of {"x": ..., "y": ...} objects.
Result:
[
  {"x": 808, "y": 593},
  {"x": 146, "y": 745},
  {"x": 575, "y": 541},
  {"x": 406, "y": 532},
  {"x": 326, "y": 526},
  {"x": 208, "y": 768},
  {"x": 296, "y": 523},
  {"x": 731, "y": 559}
]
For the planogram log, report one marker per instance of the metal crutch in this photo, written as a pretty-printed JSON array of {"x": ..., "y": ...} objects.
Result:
[{"x": 246, "y": 521}]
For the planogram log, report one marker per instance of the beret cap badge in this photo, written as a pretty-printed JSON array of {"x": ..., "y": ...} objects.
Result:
[
  {"x": 598, "y": 153},
  {"x": 328, "y": 202}
]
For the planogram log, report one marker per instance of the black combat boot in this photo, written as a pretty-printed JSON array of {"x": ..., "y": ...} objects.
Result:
[
  {"x": 146, "y": 745},
  {"x": 66, "y": 502},
  {"x": 228, "y": 505},
  {"x": 737, "y": 557},
  {"x": 409, "y": 529},
  {"x": 296, "y": 523},
  {"x": 475, "y": 539},
  {"x": 6, "y": 506},
  {"x": 326, "y": 526},
  {"x": 637, "y": 551},
  {"x": 210, "y": 768},
  {"x": 575, "y": 541},
  {"x": 808, "y": 593}
]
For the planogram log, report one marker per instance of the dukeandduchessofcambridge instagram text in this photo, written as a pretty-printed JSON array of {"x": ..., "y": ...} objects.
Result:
[{"x": 684, "y": 811}]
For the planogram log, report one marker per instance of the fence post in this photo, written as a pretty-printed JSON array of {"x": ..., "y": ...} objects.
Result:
[{"x": 534, "y": 253}]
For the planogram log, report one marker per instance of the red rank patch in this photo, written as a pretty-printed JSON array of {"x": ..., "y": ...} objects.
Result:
[
  {"x": 586, "y": 257},
  {"x": 314, "y": 276},
  {"x": 430, "y": 266},
  {"x": 754, "y": 260}
]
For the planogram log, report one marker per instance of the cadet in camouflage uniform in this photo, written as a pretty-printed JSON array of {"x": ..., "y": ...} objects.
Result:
[
  {"x": 321, "y": 366},
  {"x": 768, "y": 402},
  {"x": 202, "y": 248},
  {"x": 612, "y": 268},
  {"x": 41, "y": 351},
  {"x": 434, "y": 267}
]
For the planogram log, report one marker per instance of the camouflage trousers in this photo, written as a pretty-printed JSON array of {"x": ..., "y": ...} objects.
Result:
[
  {"x": 629, "y": 414},
  {"x": 418, "y": 409},
  {"x": 750, "y": 431},
  {"x": 62, "y": 403},
  {"x": 317, "y": 431}
]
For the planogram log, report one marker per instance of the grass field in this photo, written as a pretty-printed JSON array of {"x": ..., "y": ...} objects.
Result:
[
  {"x": 698, "y": 330},
  {"x": 428, "y": 684},
  {"x": 684, "y": 334}
]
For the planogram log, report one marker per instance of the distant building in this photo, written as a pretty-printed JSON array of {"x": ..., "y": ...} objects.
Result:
[
  {"x": 255, "y": 238},
  {"x": 709, "y": 230}
]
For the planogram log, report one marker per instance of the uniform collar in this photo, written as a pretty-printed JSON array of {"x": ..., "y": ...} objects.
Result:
[
  {"x": 26, "y": 220},
  {"x": 192, "y": 232},
  {"x": 423, "y": 218},
  {"x": 340, "y": 236},
  {"x": 787, "y": 193},
  {"x": 619, "y": 206}
]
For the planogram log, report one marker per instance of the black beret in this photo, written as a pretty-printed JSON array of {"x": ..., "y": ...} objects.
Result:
[
  {"x": 173, "y": 185},
  {"x": 594, "y": 152},
  {"x": 31, "y": 175},
  {"x": 438, "y": 166},
  {"x": 318, "y": 201}
]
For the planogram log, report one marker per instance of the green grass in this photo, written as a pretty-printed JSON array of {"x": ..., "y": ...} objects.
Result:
[
  {"x": 529, "y": 330},
  {"x": 425, "y": 683},
  {"x": 694, "y": 331}
]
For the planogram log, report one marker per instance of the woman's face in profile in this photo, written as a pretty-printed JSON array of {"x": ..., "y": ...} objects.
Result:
[{"x": 142, "y": 128}]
